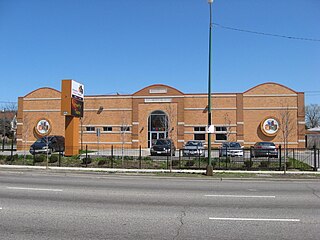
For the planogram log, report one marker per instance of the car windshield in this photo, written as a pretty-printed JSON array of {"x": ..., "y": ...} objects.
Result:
[
  {"x": 235, "y": 145},
  {"x": 267, "y": 144},
  {"x": 231, "y": 145},
  {"x": 162, "y": 142},
  {"x": 193, "y": 143}
]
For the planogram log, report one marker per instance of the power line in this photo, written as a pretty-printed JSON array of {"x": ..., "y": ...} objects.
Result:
[{"x": 266, "y": 34}]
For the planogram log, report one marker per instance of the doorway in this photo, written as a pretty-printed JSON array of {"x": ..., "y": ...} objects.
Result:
[{"x": 157, "y": 127}]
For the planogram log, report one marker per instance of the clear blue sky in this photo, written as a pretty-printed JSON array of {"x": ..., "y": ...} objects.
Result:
[{"x": 124, "y": 45}]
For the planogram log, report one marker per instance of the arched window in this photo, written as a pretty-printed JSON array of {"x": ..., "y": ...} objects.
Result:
[{"x": 157, "y": 126}]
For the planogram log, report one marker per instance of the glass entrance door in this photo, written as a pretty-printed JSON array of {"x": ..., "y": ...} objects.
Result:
[
  {"x": 157, "y": 127},
  {"x": 153, "y": 136}
]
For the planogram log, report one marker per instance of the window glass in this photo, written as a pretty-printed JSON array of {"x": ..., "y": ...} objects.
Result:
[
  {"x": 125, "y": 129},
  {"x": 199, "y": 136},
  {"x": 90, "y": 129},
  {"x": 221, "y": 137},
  {"x": 199, "y": 129},
  {"x": 221, "y": 129},
  {"x": 107, "y": 129}
]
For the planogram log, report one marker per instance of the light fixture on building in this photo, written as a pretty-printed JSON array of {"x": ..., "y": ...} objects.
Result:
[{"x": 100, "y": 110}]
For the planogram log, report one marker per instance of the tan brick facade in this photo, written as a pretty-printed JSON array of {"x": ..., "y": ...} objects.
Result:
[{"x": 235, "y": 115}]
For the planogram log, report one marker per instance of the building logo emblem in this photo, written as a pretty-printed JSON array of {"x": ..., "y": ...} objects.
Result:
[
  {"x": 43, "y": 127},
  {"x": 270, "y": 126}
]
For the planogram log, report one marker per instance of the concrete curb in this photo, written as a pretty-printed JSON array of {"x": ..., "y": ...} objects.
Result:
[{"x": 121, "y": 170}]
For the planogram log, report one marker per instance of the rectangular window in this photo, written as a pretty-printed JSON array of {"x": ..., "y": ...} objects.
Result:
[
  {"x": 125, "y": 129},
  {"x": 199, "y": 129},
  {"x": 221, "y": 129},
  {"x": 107, "y": 129},
  {"x": 221, "y": 133},
  {"x": 221, "y": 137},
  {"x": 199, "y": 136},
  {"x": 90, "y": 129}
]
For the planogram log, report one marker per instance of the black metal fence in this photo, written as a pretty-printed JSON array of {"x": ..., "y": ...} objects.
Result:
[{"x": 291, "y": 158}]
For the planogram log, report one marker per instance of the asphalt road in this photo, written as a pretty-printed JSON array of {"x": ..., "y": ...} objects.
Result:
[{"x": 45, "y": 205}]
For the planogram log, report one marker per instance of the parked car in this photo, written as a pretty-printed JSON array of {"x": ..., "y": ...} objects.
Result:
[
  {"x": 193, "y": 148},
  {"x": 48, "y": 144},
  {"x": 264, "y": 149},
  {"x": 233, "y": 149},
  {"x": 163, "y": 147}
]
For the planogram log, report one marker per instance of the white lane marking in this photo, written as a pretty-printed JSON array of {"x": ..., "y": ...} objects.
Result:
[
  {"x": 240, "y": 196},
  {"x": 252, "y": 190},
  {"x": 0, "y": 208},
  {"x": 35, "y": 189},
  {"x": 257, "y": 219}
]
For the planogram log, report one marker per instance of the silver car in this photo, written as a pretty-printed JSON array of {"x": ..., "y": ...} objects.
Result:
[
  {"x": 233, "y": 149},
  {"x": 193, "y": 148}
]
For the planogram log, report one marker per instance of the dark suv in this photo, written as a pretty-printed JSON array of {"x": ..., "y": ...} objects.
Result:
[
  {"x": 48, "y": 144},
  {"x": 163, "y": 147}
]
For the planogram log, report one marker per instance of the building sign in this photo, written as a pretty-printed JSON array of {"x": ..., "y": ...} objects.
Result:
[
  {"x": 77, "y": 90},
  {"x": 157, "y": 100},
  {"x": 270, "y": 126},
  {"x": 72, "y": 98},
  {"x": 76, "y": 107},
  {"x": 158, "y": 90},
  {"x": 43, "y": 127}
]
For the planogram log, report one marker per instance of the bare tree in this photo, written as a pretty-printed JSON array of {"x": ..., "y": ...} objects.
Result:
[
  {"x": 286, "y": 126},
  {"x": 124, "y": 128},
  {"x": 170, "y": 127},
  {"x": 85, "y": 120},
  {"x": 25, "y": 135},
  {"x": 312, "y": 115},
  {"x": 8, "y": 112},
  {"x": 227, "y": 124}
]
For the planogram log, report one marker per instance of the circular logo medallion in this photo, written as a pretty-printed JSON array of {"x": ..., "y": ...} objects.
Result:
[
  {"x": 270, "y": 126},
  {"x": 43, "y": 127}
]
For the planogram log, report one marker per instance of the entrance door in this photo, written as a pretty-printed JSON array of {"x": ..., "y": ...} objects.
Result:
[
  {"x": 157, "y": 127},
  {"x": 153, "y": 136}
]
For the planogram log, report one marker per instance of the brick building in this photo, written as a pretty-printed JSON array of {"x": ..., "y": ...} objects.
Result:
[{"x": 160, "y": 111}]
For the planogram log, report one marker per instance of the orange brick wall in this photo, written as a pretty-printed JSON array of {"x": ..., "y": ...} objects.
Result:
[{"x": 242, "y": 112}]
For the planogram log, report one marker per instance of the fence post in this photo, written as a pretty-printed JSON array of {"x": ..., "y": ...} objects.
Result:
[
  {"x": 251, "y": 164},
  {"x": 180, "y": 158},
  {"x": 11, "y": 150},
  {"x": 111, "y": 156},
  {"x": 86, "y": 155},
  {"x": 315, "y": 158},
  {"x": 59, "y": 160},
  {"x": 34, "y": 157},
  {"x": 140, "y": 156},
  {"x": 279, "y": 154}
]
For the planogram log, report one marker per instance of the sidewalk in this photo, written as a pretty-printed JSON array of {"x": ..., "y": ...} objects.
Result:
[{"x": 187, "y": 171}]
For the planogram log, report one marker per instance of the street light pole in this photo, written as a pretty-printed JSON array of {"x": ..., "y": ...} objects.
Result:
[{"x": 209, "y": 171}]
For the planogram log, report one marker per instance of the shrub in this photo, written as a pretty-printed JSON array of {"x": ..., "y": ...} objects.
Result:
[
  {"x": 175, "y": 163},
  {"x": 86, "y": 160},
  {"x": 189, "y": 163},
  {"x": 248, "y": 164},
  {"x": 225, "y": 159},
  {"x": 264, "y": 164},
  {"x": 147, "y": 158},
  {"x": 288, "y": 164},
  {"x": 40, "y": 158},
  {"x": 102, "y": 162},
  {"x": 9, "y": 159},
  {"x": 53, "y": 158}
]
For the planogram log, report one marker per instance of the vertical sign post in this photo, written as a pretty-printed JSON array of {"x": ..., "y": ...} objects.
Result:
[{"x": 72, "y": 101}]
